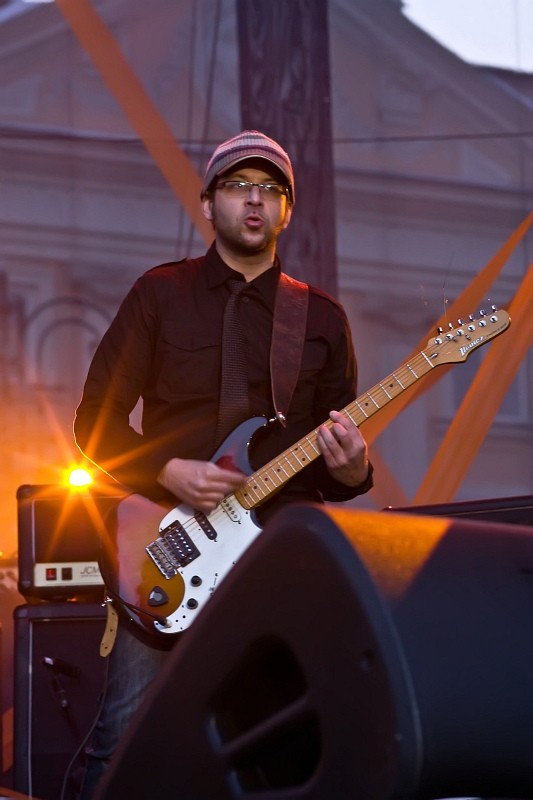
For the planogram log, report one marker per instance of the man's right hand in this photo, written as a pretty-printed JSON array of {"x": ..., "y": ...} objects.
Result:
[{"x": 199, "y": 484}]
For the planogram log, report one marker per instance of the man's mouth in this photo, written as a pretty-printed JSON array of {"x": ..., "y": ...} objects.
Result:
[{"x": 253, "y": 221}]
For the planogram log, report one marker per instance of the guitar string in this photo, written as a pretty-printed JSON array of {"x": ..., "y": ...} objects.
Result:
[
  {"x": 252, "y": 485},
  {"x": 410, "y": 375}
]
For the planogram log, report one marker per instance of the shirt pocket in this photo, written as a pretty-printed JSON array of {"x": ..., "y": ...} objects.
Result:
[
  {"x": 314, "y": 357},
  {"x": 190, "y": 361}
]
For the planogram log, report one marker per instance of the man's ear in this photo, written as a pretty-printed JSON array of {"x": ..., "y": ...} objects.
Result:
[
  {"x": 207, "y": 206},
  {"x": 288, "y": 215}
]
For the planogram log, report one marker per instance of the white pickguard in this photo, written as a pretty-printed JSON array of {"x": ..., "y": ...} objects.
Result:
[{"x": 235, "y": 531}]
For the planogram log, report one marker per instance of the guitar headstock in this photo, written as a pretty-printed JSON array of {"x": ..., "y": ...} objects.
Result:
[{"x": 456, "y": 344}]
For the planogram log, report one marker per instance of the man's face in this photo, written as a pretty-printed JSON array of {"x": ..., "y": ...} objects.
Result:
[{"x": 249, "y": 220}]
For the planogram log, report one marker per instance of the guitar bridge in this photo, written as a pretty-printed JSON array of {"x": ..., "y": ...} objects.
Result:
[{"x": 172, "y": 550}]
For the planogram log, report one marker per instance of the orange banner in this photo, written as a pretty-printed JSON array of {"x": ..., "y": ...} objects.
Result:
[
  {"x": 387, "y": 491},
  {"x": 466, "y": 303},
  {"x": 99, "y": 43},
  {"x": 482, "y": 401}
]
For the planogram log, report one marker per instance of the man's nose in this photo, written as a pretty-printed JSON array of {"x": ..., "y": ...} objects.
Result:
[{"x": 254, "y": 194}]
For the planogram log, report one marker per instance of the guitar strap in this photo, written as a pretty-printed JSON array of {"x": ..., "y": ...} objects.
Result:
[{"x": 288, "y": 337}]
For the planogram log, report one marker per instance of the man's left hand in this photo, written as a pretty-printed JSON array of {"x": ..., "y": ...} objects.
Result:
[{"x": 344, "y": 449}]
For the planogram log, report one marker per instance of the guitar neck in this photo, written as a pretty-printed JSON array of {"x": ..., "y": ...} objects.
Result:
[{"x": 273, "y": 475}]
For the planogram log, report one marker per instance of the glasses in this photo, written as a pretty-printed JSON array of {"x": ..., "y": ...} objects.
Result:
[{"x": 243, "y": 188}]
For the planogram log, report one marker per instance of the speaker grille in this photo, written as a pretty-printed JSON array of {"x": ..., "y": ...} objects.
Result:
[{"x": 58, "y": 681}]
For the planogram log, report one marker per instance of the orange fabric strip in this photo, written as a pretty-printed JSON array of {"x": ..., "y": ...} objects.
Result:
[
  {"x": 387, "y": 491},
  {"x": 469, "y": 299},
  {"x": 156, "y": 135},
  {"x": 481, "y": 403}
]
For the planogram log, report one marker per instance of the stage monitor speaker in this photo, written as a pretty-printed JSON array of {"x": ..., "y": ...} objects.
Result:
[
  {"x": 348, "y": 655},
  {"x": 509, "y": 510},
  {"x": 58, "y": 682},
  {"x": 59, "y": 536}
]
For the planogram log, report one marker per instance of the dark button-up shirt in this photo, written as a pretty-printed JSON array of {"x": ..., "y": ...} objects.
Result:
[{"x": 164, "y": 346}]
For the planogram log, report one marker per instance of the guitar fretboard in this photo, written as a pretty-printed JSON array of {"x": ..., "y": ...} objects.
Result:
[{"x": 273, "y": 475}]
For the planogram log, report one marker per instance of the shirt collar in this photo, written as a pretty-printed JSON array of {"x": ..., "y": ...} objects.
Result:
[{"x": 218, "y": 273}]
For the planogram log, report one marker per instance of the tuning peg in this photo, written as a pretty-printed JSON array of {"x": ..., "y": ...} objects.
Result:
[
  {"x": 482, "y": 313},
  {"x": 493, "y": 307},
  {"x": 460, "y": 321},
  {"x": 439, "y": 331}
]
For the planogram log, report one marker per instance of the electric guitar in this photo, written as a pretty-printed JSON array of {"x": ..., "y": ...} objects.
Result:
[{"x": 167, "y": 562}]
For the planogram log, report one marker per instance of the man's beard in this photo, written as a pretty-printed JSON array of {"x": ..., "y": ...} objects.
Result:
[{"x": 236, "y": 240}]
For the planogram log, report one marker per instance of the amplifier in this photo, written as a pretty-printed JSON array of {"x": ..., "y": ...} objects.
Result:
[
  {"x": 59, "y": 676},
  {"x": 59, "y": 535}
]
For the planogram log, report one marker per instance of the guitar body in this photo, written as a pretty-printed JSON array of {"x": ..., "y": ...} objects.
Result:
[{"x": 203, "y": 548}]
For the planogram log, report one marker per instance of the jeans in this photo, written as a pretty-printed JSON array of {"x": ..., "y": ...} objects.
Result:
[{"x": 132, "y": 668}]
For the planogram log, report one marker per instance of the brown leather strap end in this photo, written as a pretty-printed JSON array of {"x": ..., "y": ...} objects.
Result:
[{"x": 111, "y": 628}]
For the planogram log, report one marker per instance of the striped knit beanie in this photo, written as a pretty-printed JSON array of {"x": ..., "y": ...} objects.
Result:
[{"x": 248, "y": 144}]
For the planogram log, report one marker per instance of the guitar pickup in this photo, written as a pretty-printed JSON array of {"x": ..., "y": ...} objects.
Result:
[{"x": 205, "y": 525}]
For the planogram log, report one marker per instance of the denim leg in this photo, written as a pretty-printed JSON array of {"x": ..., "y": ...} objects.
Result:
[{"x": 132, "y": 668}]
